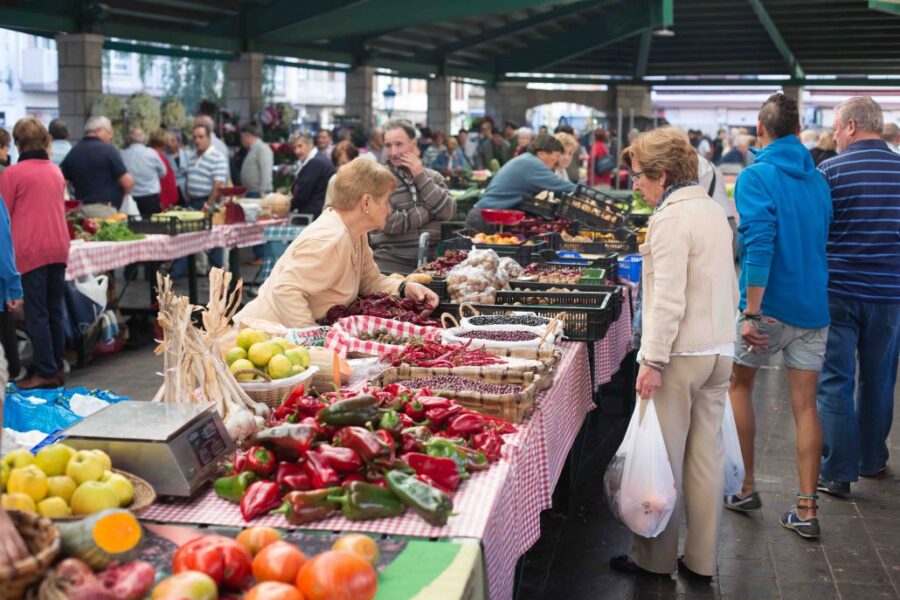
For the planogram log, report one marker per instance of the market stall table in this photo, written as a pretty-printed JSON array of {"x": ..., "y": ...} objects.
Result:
[
  {"x": 609, "y": 352},
  {"x": 500, "y": 506}
]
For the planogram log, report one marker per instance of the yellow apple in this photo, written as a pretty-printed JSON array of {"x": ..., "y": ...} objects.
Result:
[
  {"x": 104, "y": 458},
  {"x": 53, "y": 508},
  {"x": 53, "y": 459},
  {"x": 122, "y": 487},
  {"x": 18, "y": 459},
  {"x": 61, "y": 486},
  {"x": 18, "y": 501},
  {"x": 30, "y": 481},
  {"x": 93, "y": 496},
  {"x": 85, "y": 466}
]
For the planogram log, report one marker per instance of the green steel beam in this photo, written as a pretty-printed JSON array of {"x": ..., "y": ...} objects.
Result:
[
  {"x": 625, "y": 80},
  {"x": 796, "y": 70},
  {"x": 640, "y": 65},
  {"x": 587, "y": 36},
  {"x": 886, "y": 6},
  {"x": 263, "y": 19},
  {"x": 385, "y": 15},
  {"x": 280, "y": 62},
  {"x": 491, "y": 35},
  {"x": 178, "y": 52},
  {"x": 37, "y": 21}
]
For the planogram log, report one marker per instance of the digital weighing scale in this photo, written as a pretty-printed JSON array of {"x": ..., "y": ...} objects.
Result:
[{"x": 175, "y": 447}]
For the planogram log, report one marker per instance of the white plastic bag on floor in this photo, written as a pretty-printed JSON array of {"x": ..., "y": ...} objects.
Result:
[
  {"x": 734, "y": 460},
  {"x": 639, "y": 484}
]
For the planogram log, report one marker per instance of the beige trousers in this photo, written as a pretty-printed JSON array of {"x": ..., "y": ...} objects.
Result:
[{"x": 689, "y": 406}]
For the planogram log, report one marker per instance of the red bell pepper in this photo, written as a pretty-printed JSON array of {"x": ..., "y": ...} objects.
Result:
[
  {"x": 291, "y": 476},
  {"x": 388, "y": 439},
  {"x": 415, "y": 409},
  {"x": 438, "y": 416},
  {"x": 259, "y": 499},
  {"x": 409, "y": 443},
  {"x": 465, "y": 425},
  {"x": 405, "y": 420},
  {"x": 321, "y": 475},
  {"x": 344, "y": 460},
  {"x": 370, "y": 447},
  {"x": 488, "y": 442},
  {"x": 239, "y": 465},
  {"x": 260, "y": 461},
  {"x": 442, "y": 472}
]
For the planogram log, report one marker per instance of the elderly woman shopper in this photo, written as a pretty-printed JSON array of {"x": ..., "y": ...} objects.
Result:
[
  {"x": 33, "y": 192},
  {"x": 331, "y": 262},
  {"x": 570, "y": 149},
  {"x": 690, "y": 297}
]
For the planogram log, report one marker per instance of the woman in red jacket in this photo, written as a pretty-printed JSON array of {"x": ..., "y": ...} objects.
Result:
[
  {"x": 168, "y": 190},
  {"x": 33, "y": 192},
  {"x": 599, "y": 174}
]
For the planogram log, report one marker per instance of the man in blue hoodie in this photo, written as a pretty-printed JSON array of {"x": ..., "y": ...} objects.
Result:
[{"x": 785, "y": 209}]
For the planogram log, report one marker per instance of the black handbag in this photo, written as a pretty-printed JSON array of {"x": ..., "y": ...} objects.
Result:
[{"x": 604, "y": 164}]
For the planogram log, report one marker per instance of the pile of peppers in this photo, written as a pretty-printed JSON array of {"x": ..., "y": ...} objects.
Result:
[
  {"x": 364, "y": 454},
  {"x": 386, "y": 307},
  {"x": 431, "y": 354}
]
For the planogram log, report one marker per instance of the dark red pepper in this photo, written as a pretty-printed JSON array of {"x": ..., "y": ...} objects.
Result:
[
  {"x": 370, "y": 447},
  {"x": 409, "y": 443},
  {"x": 465, "y": 425},
  {"x": 342, "y": 459},
  {"x": 439, "y": 415},
  {"x": 415, "y": 410},
  {"x": 388, "y": 439},
  {"x": 260, "y": 461},
  {"x": 259, "y": 499},
  {"x": 292, "y": 476},
  {"x": 488, "y": 442},
  {"x": 321, "y": 475},
  {"x": 442, "y": 472},
  {"x": 240, "y": 463}
]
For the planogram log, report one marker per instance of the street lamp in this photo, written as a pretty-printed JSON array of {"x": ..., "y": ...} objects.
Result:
[{"x": 390, "y": 94}]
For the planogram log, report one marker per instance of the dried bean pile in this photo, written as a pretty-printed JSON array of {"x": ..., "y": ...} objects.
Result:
[
  {"x": 499, "y": 336},
  {"x": 383, "y": 336},
  {"x": 527, "y": 320},
  {"x": 454, "y": 383}
]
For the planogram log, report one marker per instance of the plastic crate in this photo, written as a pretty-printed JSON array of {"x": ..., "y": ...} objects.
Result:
[
  {"x": 640, "y": 220},
  {"x": 630, "y": 267},
  {"x": 169, "y": 225},
  {"x": 536, "y": 206},
  {"x": 438, "y": 285},
  {"x": 617, "y": 203},
  {"x": 590, "y": 214},
  {"x": 521, "y": 253},
  {"x": 450, "y": 228},
  {"x": 625, "y": 241},
  {"x": 583, "y": 323},
  {"x": 601, "y": 260},
  {"x": 617, "y": 291}
]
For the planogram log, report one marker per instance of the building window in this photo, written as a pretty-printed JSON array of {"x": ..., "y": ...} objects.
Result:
[{"x": 121, "y": 64}]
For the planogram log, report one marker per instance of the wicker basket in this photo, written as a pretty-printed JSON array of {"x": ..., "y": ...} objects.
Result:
[
  {"x": 549, "y": 360},
  {"x": 271, "y": 393},
  {"x": 144, "y": 496},
  {"x": 512, "y": 407},
  {"x": 43, "y": 541}
]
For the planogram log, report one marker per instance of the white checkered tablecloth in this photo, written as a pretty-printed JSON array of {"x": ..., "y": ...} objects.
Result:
[
  {"x": 89, "y": 258},
  {"x": 500, "y": 506},
  {"x": 612, "y": 349},
  {"x": 244, "y": 235}
]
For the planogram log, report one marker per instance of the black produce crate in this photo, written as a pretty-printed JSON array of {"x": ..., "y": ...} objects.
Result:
[
  {"x": 583, "y": 323},
  {"x": 603, "y": 199},
  {"x": 625, "y": 242},
  {"x": 638, "y": 220},
  {"x": 169, "y": 225},
  {"x": 438, "y": 285},
  {"x": 521, "y": 253},
  {"x": 619, "y": 295},
  {"x": 588, "y": 214},
  {"x": 541, "y": 208},
  {"x": 595, "y": 260}
]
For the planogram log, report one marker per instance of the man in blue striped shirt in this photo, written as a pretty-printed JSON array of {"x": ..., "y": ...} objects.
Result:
[{"x": 864, "y": 299}]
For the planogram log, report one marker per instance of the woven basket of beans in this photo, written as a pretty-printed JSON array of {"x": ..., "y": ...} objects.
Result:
[
  {"x": 539, "y": 362},
  {"x": 492, "y": 391},
  {"x": 43, "y": 541}
]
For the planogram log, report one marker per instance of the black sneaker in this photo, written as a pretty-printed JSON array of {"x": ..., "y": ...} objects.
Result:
[
  {"x": 693, "y": 575},
  {"x": 838, "y": 489},
  {"x": 808, "y": 528},
  {"x": 876, "y": 475},
  {"x": 748, "y": 504},
  {"x": 623, "y": 564}
]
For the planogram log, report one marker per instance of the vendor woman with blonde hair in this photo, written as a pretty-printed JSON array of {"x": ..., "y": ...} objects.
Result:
[{"x": 331, "y": 262}]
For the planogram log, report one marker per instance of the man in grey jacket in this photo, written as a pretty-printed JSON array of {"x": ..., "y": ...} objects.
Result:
[{"x": 256, "y": 170}]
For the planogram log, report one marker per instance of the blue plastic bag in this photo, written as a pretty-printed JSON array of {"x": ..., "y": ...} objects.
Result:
[{"x": 50, "y": 412}]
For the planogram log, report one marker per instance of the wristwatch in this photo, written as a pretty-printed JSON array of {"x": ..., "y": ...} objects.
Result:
[
  {"x": 401, "y": 290},
  {"x": 750, "y": 316}
]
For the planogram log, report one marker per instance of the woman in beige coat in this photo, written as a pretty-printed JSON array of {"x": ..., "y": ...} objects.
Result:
[{"x": 690, "y": 297}]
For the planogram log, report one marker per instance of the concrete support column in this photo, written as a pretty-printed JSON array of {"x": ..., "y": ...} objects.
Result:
[
  {"x": 439, "y": 116},
  {"x": 358, "y": 98},
  {"x": 80, "y": 60},
  {"x": 636, "y": 97},
  {"x": 244, "y": 85}
]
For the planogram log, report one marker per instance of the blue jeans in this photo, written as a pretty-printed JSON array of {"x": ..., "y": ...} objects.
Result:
[
  {"x": 856, "y": 426},
  {"x": 216, "y": 255},
  {"x": 44, "y": 292}
]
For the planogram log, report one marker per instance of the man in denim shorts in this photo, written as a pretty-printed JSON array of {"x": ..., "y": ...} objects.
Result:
[{"x": 785, "y": 210}]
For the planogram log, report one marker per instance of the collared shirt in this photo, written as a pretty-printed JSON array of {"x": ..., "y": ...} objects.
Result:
[
  {"x": 145, "y": 167},
  {"x": 309, "y": 157},
  {"x": 58, "y": 151},
  {"x": 222, "y": 147},
  {"x": 204, "y": 171},
  {"x": 864, "y": 239},
  {"x": 256, "y": 170}
]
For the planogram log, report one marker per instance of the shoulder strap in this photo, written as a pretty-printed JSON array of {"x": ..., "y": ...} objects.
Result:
[{"x": 712, "y": 184}]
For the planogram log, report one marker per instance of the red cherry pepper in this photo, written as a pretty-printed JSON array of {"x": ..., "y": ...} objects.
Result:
[
  {"x": 443, "y": 472},
  {"x": 259, "y": 499},
  {"x": 291, "y": 476},
  {"x": 344, "y": 460},
  {"x": 260, "y": 461},
  {"x": 321, "y": 475}
]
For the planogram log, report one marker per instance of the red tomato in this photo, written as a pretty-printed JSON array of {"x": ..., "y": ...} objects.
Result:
[
  {"x": 337, "y": 575},
  {"x": 256, "y": 538},
  {"x": 279, "y": 561},
  {"x": 273, "y": 590},
  {"x": 222, "y": 558}
]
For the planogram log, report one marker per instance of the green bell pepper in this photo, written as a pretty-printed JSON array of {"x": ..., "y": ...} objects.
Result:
[
  {"x": 233, "y": 488},
  {"x": 428, "y": 502},
  {"x": 361, "y": 501},
  {"x": 358, "y": 410}
]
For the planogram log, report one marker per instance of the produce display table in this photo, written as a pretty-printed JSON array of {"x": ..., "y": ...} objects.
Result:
[
  {"x": 243, "y": 235},
  {"x": 500, "y": 507},
  {"x": 612, "y": 349},
  {"x": 425, "y": 570}
]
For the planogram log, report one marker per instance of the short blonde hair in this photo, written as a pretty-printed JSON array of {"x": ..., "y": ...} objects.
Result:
[
  {"x": 358, "y": 178},
  {"x": 826, "y": 141},
  {"x": 664, "y": 150},
  {"x": 30, "y": 135},
  {"x": 567, "y": 140}
]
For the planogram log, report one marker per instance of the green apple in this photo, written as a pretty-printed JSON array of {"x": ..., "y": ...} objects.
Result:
[
  {"x": 61, "y": 486},
  {"x": 280, "y": 367},
  {"x": 93, "y": 496},
  {"x": 248, "y": 337},
  {"x": 53, "y": 459},
  {"x": 234, "y": 354},
  {"x": 53, "y": 508},
  {"x": 283, "y": 343},
  {"x": 242, "y": 364},
  {"x": 104, "y": 458},
  {"x": 18, "y": 459},
  {"x": 85, "y": 466},
  {"x": 122, "y": 487}
]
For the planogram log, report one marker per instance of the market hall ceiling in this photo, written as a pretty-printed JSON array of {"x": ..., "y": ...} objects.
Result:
[{"x": 494, "y": 39}]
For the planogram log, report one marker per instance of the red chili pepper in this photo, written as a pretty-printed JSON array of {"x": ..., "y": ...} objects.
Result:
[
  {"x": 292, "y": 476},
  {"x": 442, "y": 472},
  {"x": 344, "y": 460},
  {"x": 465, "y": 425},
  {"x": 260, "y": 498},
  {"x": 321, "y": 475},
  {"x": 260, "y": 461},
  {"x": 438, "y": 416}
]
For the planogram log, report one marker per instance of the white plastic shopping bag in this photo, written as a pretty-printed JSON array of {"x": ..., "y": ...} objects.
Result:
[
  {"x": 734, "y": 460},
  {"x": 129, "y": 206},
  {"x": 639, "y": 484}
]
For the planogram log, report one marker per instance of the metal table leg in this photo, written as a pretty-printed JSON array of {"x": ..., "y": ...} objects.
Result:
[{"x": 192, "y": 279}]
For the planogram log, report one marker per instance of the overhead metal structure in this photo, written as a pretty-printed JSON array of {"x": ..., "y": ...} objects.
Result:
[{"x": 497, "y": 40}]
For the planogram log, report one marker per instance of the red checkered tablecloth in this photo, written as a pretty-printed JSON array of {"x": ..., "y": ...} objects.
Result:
[
  {"x": 500, "y": 506},
  {"x": 612, "y": 349},
  {"x": 243, "y": 235}
]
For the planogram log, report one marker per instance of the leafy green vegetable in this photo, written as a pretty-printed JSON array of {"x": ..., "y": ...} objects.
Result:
[{"x": 116, "y": 232}]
